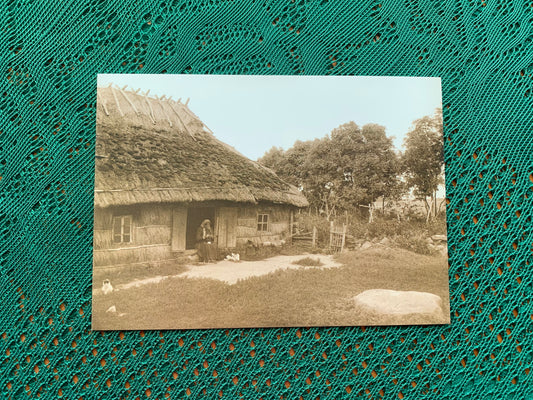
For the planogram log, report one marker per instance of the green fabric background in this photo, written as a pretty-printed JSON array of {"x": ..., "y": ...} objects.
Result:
[{"x": 50, "y": 55}]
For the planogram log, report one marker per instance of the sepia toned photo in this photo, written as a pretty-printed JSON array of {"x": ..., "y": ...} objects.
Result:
[{"x": 268, "y": 201}]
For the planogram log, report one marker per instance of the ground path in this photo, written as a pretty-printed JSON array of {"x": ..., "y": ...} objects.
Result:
[{"x": 231, "y": 272}]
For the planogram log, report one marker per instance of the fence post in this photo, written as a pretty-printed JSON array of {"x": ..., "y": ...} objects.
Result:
[
  {"x": 291, "y": 224},
  {"x": 330, "y": 234},
  {"x": 343, "y": 236},
  {"x": 314, "y": 237}
]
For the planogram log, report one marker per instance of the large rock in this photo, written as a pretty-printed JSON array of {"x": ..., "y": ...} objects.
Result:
[
  {"x": 397, "y": 303},
  {"x": 439, "y": 238},
  {"x": 385, "y": 241},
  {"x": 366, "y": 245},
  {"x": 443, "y": 249}
]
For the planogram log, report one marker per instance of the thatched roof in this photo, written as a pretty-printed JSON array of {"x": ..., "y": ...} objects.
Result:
[{"x": 155, "y": 150}]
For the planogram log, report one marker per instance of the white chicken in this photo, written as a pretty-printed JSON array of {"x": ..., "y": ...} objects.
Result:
[
  {"x": 233, "y": 257},
  {"x": 106, "y": 286}
]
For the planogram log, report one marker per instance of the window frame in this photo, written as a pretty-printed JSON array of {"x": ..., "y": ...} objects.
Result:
[
  {"x": 263, "y": 224},
  {"x": 121, "y": 234}
]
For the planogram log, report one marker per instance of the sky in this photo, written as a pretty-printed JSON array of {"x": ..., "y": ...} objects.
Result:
[{"x": 255, "y": 113}]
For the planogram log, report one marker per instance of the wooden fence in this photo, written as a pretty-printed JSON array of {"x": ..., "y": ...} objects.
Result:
[
  {"x": 306, "y": 240},
  {"x": 337, "y": 237}
]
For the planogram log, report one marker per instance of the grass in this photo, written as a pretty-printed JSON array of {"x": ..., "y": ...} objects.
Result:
[
  {"x": 309, "y": 262},
  {"x": 294, "y": 297},
  {"x": 137, "y": 271}
]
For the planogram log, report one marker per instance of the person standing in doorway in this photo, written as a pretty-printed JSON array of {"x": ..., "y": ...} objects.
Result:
[{"x": 205, "y": 242}]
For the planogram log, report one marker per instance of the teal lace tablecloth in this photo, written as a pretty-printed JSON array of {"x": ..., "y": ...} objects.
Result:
[{"x": 51, "y": 53}]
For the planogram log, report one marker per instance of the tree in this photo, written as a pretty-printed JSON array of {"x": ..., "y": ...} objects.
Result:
[
  {"x": 424, "y": 159},
  {"x": 295, "y": 172},
  {"x": 288, "y": 165},
  {"x": 383, "y": 175},
  {"x": 349, "y": 167},
  {"x": 275, "y": 159},
  {"x": 319, "y": 177},
  {"x": 370, "y": 166},
  {"x": 353, "y": 166}
]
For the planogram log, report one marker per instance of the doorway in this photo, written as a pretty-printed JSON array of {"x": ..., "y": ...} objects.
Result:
[{"x": 195, "y": 216}]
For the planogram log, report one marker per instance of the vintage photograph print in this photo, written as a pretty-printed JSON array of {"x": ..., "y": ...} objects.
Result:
[{"x": 268, "y": 201}]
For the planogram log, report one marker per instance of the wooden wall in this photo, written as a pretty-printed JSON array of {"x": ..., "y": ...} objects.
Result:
[
  {"x": 151, "y": 235},
  {"x": 153, "y": 230},
  {"x": 278, "y": 225}
]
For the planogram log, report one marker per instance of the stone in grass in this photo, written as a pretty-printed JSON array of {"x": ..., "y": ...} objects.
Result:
[
  {"x": 443, "y": 249},
  {"x": 366, "y": 245},
  {"x": 439, "y": 238},
  {"x": 113, "y": 310},
  {"x": 397, "y": 303},
  {"x": 385, "y": 241}
]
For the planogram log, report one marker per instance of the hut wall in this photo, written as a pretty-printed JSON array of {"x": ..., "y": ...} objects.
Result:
[
  {"x": 151, "y": 235},
  {"x": 278, "y": 223},
  {"x": 152, "y": 230}
]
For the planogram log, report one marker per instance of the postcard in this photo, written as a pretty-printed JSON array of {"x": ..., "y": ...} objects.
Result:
[{"x": 268, "y": 201}]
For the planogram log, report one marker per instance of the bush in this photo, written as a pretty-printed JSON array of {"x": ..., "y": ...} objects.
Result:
[
  {"x": 415, "y": 244},
  {"x": 437, "y": 226},
  {"x": 391, "y": 227},
  {"x": 305, "y": 223},
  {"x": 253, "y": 252},
  {"x": 408, "y": 234},
  {"x": 309, "y": 262}
]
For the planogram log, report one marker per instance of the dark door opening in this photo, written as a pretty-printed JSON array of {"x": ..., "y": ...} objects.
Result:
[{"x": 195, "y": 216}]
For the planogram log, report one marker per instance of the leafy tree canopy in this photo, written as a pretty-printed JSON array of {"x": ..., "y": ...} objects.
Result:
[
  {"x": 424, "y": 155},
  {"x": 340, "y": 171}
]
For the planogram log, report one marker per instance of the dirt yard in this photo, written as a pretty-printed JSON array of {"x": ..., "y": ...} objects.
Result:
[{"x": 231, "y": 272}]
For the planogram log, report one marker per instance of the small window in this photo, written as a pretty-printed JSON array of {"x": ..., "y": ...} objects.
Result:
[
  {"x": 122, "y": 229},
  {"x": 262, "y": 222}
]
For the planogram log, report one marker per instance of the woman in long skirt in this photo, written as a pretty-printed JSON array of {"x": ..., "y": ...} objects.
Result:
[{"x": 205, "y": 242}]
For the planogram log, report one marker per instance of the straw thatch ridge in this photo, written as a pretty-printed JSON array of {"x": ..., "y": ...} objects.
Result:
[{"x": 155, "y": 150}]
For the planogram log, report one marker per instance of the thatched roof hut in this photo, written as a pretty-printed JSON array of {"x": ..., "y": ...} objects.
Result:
[{"x": 156, "y": 150}]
